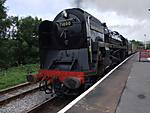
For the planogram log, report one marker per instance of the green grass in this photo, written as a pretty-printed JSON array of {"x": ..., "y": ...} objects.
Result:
[{"x": 16, "y": 75}]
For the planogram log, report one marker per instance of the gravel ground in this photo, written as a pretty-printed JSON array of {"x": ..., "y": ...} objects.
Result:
[
  {"x": 18, "y": 91},
  {"x": 25, "y": 103}
]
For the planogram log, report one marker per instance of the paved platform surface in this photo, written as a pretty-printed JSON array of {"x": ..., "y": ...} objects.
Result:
[
  {"x": 106, "y": 96},
  {"x": 136, "y": 96}
]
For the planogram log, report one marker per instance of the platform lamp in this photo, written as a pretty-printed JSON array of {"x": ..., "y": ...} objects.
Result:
[{"x": 145, "y": 41}]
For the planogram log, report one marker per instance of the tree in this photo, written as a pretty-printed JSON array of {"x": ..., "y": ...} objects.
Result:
[
  {"x": 136, "y": 44},
  {"x": 27, "y": 40},
  {"x": 18, "y": 39},
  {"x": 3, "y": 16},
  {"x": 2, "y": 9}
]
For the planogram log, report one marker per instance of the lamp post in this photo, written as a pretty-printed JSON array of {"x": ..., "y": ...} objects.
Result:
[{"x": 145, "y": 41}]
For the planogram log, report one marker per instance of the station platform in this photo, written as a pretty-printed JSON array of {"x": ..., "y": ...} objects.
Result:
[{"x": 125, "y": 90}]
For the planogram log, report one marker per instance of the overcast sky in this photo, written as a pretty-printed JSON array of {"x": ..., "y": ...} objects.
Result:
[{"x": 130, "y": 18}]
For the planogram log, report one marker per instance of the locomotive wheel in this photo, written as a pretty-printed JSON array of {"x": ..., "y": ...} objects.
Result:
[
  {"x": 42, "y": 85},
  {"x": 49, "y": 88}
]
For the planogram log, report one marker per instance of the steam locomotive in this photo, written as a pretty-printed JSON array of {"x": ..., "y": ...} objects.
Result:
[{"x": 75, "y": 50}]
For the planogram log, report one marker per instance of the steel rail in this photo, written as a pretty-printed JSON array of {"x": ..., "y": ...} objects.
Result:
[{"x": 16, "y": 92}]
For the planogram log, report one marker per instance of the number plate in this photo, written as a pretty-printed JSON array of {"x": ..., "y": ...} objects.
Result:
[{"x": 65, "y": 23}]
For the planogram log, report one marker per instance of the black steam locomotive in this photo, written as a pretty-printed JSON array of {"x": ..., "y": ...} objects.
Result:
[{"x": 75, "y": 50}]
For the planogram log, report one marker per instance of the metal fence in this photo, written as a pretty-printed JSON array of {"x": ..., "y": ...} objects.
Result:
[{"x": 144, "y": 55}]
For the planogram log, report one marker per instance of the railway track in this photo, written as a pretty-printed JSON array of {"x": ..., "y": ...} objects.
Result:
[
  {"x": 14, "y": 96},
  {"x": 16, "y": 92},
  {"x": 51, "y": 105}
]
